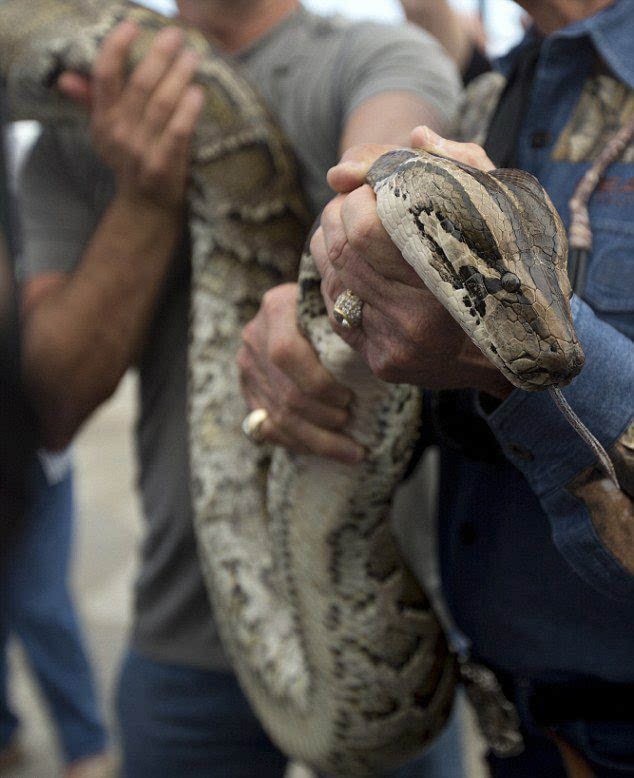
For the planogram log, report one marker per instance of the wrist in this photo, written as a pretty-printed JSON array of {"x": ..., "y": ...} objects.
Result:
[{"x": 148, "y": 212}]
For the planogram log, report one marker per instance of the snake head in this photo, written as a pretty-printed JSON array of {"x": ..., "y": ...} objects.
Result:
[
  {"x": 530, "y": 299},
  {"x": 493, "y": 249}
]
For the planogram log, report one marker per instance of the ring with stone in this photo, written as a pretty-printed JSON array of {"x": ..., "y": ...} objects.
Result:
[
  {"x": 252, "y": 425},
  {"x": 348, "y": 310}
]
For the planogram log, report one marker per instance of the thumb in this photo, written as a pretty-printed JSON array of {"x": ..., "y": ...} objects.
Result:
[
  {"x": 469, "y": 153},
  {"x": 351, "y": 171}
]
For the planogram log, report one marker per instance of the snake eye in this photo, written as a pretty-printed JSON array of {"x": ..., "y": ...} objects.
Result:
[{"x": 510, "y": 282}]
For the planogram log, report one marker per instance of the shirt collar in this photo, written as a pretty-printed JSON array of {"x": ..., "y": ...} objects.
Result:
[{"x": 611, "y": 32}]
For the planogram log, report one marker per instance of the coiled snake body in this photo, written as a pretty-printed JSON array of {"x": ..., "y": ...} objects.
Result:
[{"x": 333, "y": 640}]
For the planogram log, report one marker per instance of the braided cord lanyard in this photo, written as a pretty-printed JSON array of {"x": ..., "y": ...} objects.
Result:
[
  {"x": 580, "y": 245},
  {"x": 579, "y": 233}
]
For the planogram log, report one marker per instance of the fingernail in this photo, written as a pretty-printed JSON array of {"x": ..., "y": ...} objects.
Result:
[
  {"x": 354, "y": 168},
  {"x": 431, "y": 137}
]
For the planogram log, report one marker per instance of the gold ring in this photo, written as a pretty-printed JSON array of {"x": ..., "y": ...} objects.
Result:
[
  {"x": 348, "y": 310},
  {"x": 252, "y": 425}
]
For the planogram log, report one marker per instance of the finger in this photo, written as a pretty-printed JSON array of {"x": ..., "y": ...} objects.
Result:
[
  {"x": 149, "y": 72},
  {"x": 296, "y": 359},
  {"x": 174, "y": 143},
  {"x": 169, "y": 91},
  {"x": 109, "y": 67},
  {"x": 270, "y": 388},
  {"x": 331, "y": 286},
  {"x": 284, "y": 427},
  {"x": 303, "y": 436},
  {"x": 330, "y": 239},
  {"x": 353, "y": 167},
  {"x": 469, "y": 153},
  {"x": 76, "y": 86},
  {"x": 369, "y": 240}
]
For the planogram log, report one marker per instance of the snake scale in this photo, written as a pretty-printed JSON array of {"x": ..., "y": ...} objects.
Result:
[{"x": 334, "y": 643}]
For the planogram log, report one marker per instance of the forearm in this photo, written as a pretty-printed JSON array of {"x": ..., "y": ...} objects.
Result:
[{"x": 82, "y": 334}]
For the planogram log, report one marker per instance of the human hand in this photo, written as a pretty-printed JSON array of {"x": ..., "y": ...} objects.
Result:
[
  {"x": 142, "y": 125},
  {"x": 280, "y": 372},
  {"x": 406, "y": 336}
]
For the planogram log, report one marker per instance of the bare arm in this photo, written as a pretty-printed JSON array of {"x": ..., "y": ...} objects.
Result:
[
  {"x": 83, "y": 329},
  {"x": 387, "y": 118}
]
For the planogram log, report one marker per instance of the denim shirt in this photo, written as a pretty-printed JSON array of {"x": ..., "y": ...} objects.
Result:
[{"x": 526, "y": 576}]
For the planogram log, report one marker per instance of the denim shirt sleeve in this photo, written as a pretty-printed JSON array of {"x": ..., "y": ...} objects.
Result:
[{"x": 543, "y": 446}]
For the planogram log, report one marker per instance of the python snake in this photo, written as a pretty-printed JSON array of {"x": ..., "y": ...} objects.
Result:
[{"x": 334, "y": 643}]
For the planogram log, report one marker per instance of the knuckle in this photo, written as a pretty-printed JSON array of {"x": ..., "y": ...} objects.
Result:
[
  {"x": 386, "y": 364},
  {"x": 276, "y": 417},
  {"x": 329, "y": 286},
  {"x": 340, "y": 254},
  {"x": 291, "y": 398},
  {"x": 121, "y": 139},
  {"x": 413, "y": 329},
  {"x": 160, "y": 107},
  {"x": 281, "y": 352},
  {"x": 180, "y": 132},
  {"x": 401, "y": 358},
  {"x": 361, "y": 232},
  {"x": 140, "y": 83}
]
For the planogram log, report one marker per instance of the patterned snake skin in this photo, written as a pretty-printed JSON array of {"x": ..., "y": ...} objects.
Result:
[{"x": 335, "y": 644}]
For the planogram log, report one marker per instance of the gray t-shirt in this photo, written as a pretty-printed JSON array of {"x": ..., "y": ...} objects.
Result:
[{"x": 312, "y": 72}]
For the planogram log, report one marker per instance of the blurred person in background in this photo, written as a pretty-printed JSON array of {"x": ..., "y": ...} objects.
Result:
[
  {"x": 105, "y": 242},
  {"x": 536, "y": 544},
  {"x": 37, "y": 608},
  {"x": 461, "y": 33},
  {"x": 18, "y": 429},
  {"x": 35, "y": 539}
]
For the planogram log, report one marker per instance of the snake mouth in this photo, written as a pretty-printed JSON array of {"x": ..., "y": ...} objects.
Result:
[
  {"x": 540, "y": 378},
  {"x": 552, "y": 369}
]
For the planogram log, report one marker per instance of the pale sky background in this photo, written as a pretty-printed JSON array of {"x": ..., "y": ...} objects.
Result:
[{"x": 501, "y": 16}]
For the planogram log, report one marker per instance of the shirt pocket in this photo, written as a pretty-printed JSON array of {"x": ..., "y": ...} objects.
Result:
[{"x": 609, "y": 287}]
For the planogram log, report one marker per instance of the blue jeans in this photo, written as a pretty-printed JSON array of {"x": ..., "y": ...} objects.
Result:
[
  {"x": 36, "y": 607},
  {"x": 191, "y": 723}
]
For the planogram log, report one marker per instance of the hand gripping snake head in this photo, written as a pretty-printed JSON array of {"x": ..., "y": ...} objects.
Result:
[{"x": 493, "y": 249}]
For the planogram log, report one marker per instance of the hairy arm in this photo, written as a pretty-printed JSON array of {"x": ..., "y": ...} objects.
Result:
[{"x": 82, "y": 329}]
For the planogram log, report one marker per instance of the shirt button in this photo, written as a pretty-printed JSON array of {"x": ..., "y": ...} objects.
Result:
[
  {"x": 539, "y": 139},
  {"x": 521, "y": 452}
]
